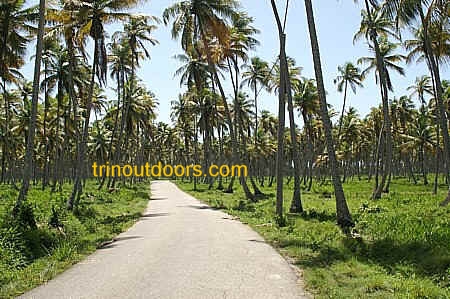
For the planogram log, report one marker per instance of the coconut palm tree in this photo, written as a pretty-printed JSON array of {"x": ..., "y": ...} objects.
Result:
[
  {"x": 28, "y": 167},
  {"x": 119, "y": 61},
  {"x": 386, "y": 51},
  {"x": 241, "y": 41},
  {"x": 349, "y": 75},
  {"x": 93, "y": 16},
  {"x": 344, "y": 218},
  {"x": 201, "y": 25},
  {"x": 375, "y": 26},
  {"x": 256, "y": 73},
  {"x": 421, "y": 87},
  {"x": 137, "y": 34},
  {"x": 281, "y": 109}
]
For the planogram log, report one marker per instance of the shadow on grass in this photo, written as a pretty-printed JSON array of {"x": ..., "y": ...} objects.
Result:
[
  {"x": 321, "y": 216},
  {"x": 421, "y": 257},
  {"x": 141, "y": 194}
]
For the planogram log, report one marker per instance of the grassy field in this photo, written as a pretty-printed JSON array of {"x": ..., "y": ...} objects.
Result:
[
  {"x": 30, "y": 256},
  {"x": 403, "y": 250}
]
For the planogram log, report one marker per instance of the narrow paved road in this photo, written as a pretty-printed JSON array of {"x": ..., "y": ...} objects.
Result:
[{"x": 179, "y": 249}]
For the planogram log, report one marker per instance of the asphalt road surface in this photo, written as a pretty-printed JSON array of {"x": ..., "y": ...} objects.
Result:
[{"x": 179, "y": 249}]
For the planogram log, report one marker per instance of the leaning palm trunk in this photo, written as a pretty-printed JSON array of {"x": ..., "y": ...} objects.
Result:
[
  {"x": 28, "y": 167},
  {"x": 341, "y": 119},
  {"x": 240, "y": 131},
  {"x": 344, "y": 218}
]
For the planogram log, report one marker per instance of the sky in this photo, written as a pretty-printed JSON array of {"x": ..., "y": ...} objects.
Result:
[{"x": 336, "y": 23}]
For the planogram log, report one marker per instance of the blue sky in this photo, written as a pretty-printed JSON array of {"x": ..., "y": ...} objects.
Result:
[{"x": 336, "y": 22}]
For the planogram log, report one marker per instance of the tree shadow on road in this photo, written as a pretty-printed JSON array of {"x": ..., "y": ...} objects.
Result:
[
  {"x": 114, "y": 242},
  {"x": 153, "y": 215}
]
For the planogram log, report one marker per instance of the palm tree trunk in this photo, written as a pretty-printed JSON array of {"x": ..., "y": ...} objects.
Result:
[
  {"x": 256, "y": 113},
  {"x": 410, "y": 169},
  {"x": 341, "y": 119},
  {"x": 437, "y": 161},
  {"x": 195, "y": 148},
  {"x": 309, "y": 141},
  {"x": 385, "y": 103},
  {"x": 28, "y": 167},
  {"x": 422, "y": 164},
  {"x": 344, "y": 218},
  {"x": 46, "y": 158},
  {"x": 281, "y": 117}
]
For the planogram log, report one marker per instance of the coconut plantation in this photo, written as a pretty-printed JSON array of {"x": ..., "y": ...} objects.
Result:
[{"x": 224, "y": 149}]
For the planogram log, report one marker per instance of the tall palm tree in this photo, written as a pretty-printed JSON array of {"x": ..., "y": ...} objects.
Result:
[
  {"x": 137, "y": 33},
  {"x": 375, "y": 25},
  {"x": 256, "y": 73},
  {"x": 93, "y": 15},
  {"x": 281, "y": 111},
  {"x": 390, "y": 59},
  {"x": 119, "y": 60},
  {"x": 241, "y": 40},
  {"x": 28, "y": 167},
  {"x": 197, "y": 23},
  {"x": 344, "y": 218},
  {"x": 349, "y": 75}
]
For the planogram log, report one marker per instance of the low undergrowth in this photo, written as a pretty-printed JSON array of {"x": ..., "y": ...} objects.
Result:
[{"x": 33, "y": 252}]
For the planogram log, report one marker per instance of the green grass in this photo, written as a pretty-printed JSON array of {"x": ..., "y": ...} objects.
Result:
[
  {"x": 30, "y": 257},
  {"x": 403, "y": 250}
]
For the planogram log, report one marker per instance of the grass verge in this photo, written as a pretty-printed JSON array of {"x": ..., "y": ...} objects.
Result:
[
  {"x": 30, "y": 256},
  {"x": 403, "y": 250}
]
